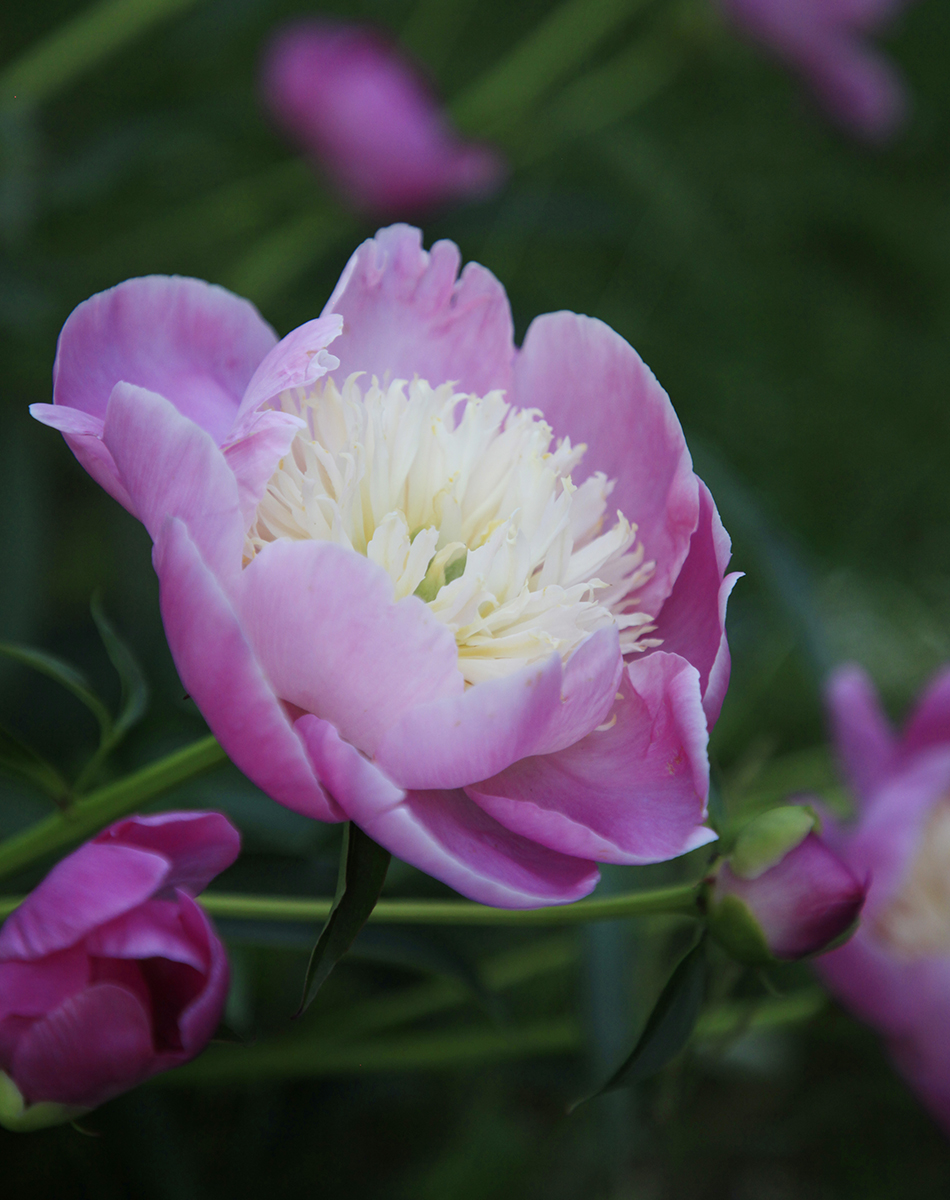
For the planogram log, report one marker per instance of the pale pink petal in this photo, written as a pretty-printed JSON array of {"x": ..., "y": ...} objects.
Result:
[
  {"x": 692, "y": 621},
  {"x": 593, "y": 387},
  {"x": 31, "y": 988},
  {"x": 220, "y": 672},
  {"x": 332, "y": 641},
  {"x": 198, "y": 845},
  {"x": 190, "y": 341},
  {"x": 83, "y": 434},
  {"x": 863, "y": 737},
  {"x": 72, "y": 900},
  {"x": 405, "y": 314},
  {"x": 253, "y": 451},
  {"x": 633, "y": 791},
  {"x": 297, "y": 361},
  {"x": 929, "y": 724},
  {"x": 151, "y": 930},
  {"x": 95, "y": 1045},
  {"x": 359, "y": 787},
  {"x": 171, "y": 468},
  {"x": 199, "y": 1020}
]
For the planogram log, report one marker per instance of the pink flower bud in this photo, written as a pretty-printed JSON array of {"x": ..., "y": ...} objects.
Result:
[
  {"x": 109, "y": 970},
  {"x": 358, "y": 106}
]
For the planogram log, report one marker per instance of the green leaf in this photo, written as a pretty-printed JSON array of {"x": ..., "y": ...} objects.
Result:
[
  {"x": 363, "y": 867},
  {"x": 20, "y": 759},
  {"x": 66, "y": 676},
  {"x": 134, "y": 685},
  {"x": 669, "y": 1026}
]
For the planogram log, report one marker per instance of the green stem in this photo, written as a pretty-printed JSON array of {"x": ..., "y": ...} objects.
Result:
[{"x": 105, "y": 804}]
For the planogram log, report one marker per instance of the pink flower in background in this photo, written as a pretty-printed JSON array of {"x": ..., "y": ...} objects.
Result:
[
  {"x": 397, "y": 594},
  {"x": 827, "y": 43},
  {"x": 109, "y": 970},
  {"x": 895, "y": 972},
  {"x": 353, "y": 101}
]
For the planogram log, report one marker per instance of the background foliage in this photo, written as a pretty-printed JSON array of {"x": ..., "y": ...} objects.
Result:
[{"x": 792, "y": 292}]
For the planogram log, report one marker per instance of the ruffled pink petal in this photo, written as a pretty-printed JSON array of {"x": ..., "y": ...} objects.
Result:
[
  {"x": 297, "y": 361},
  {"x": 593, "y": 387},
  {"x": 199, "y": 1020},
  {"x": 83, "y": 434},
  {"x": 92, "y": 885},
  {"x": 863, "y": 738},
  {"x": 220, "y": 672},
  {"x": 152, "y": 930},
  {"x": 193, "y": 342},
  {"x": 32, "y": 988},
  {"x": 405, "y": 314},
  {"x": 459, "y": 740},
  {"x": 92, "y": 1047},
  {"x": 632, "y": 791},
  {"x": 198, "y": 845},
  {"x": 253, "y": 450},
  {"x": 692, "y": 621},
  {"x": 929, "y": 724},
  {"x": 332, "y": 641}
]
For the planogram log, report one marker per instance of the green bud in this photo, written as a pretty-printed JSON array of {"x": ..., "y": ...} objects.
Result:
[
  {"x": 768, "y": 838},
  {"x": 21, "y": 1117}
]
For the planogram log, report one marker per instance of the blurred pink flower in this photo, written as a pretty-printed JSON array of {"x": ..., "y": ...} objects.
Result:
[
  {"x": 109, "y": 970},
  {"x": 826, "y": 42},
  {"x": 404, "y": 603},
  {"x": 895, "y": 971},
  {"x": 353, "y": 101}
]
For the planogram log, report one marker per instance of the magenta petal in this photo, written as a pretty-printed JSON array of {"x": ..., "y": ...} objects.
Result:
[
  {"x": 692, "y": 621},
  {"x": 862, "y": 733},
  {"x": 406, "y": 314},
  {"x": 151, "y": 930},
  {"x": 360, "y": 788},
  {"x": 83, "y": 435},
  {"x": 859, "y": 87},
  {"x": 198, "y": 845},
  {"x": 929, "y": 724},
  {"x": 332, "y": 641},
  {"x": 33, "y": 987},
  {"x": 92, "y": 1047},
  {"x": 631, "y": 792},
  {"x": 199, "y": 1020},
  {"x": 71, "y": 901},
  {"x": 593, "y": 387},
  {"x": 193, "y": 342},
  {"x": 253, "y": 450},
  {"x": 220, "y": 672}
]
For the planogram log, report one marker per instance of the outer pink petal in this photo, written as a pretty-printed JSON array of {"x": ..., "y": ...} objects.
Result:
[
  {"x": 92, "y": 1047},
  {"x": 92, "y": 885},
  {"x": 360, "y": 788},
  {"x": 193, "y": 342},
  {"x": 929, "y": 724},
  {"x": 198, "y": 845},
  {"x": 253, "y": 450},
  {"x": 406, "y": 314},
  {"x": 593, "y": 387},
  {"x": 858, "y": 86},
  {"x": 297, "y": 361},
  {"x": 171, "y": 468},
  {"x": 692, "y": 621},
  {"x": 219, "y": 670},
  {"x": 200, "y": 1019},
  {"x": 83, "y": 434},
  {"x": 31, "y": 988},
  {"x": 632, "y": 792},
  {"x": 152, "y": 930},
  {"x": 862, "y": 733},
  {"x": 332, "y": 641}
]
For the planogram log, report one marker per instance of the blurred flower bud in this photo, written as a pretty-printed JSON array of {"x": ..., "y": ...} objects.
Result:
[
  {"x": 359, "y": 107},
  {"x": 781, "y": 893},
  {"x": 109, "y": 970}
]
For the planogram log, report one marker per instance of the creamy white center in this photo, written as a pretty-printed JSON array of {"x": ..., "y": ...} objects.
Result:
[
  {"x": 462, "y": 501},
  {"x": 917, "y": 920}
]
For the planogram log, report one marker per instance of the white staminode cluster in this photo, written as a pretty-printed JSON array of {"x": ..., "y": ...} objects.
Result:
[
  {"x": 916, "y": 922},
  {"x": 461, "y": 500}
]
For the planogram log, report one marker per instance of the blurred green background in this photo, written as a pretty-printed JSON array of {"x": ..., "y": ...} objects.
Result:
[{"x": 791, "y": 290}]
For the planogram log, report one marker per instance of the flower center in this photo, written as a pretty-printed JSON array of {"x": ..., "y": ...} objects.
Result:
[
  {"x": 917, "y": 920},
  {"x": 464, "y": 503}
]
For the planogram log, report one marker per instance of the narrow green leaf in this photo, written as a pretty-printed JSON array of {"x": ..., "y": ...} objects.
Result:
[
  {"x": 66, "y": 676},
  {"x": 363, "y": 867},
  {"x": 134, "y": 685},
  {"x": 20, "y": 759},
  {"x": 668, "y": 1028}
]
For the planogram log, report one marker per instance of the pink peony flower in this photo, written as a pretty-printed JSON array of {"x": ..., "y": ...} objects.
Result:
[
  {"x": 353, "y": 101},
  {"x": 109, "y": 970},
  {"x": 825, "y": 42},
  {"x": 398, "y": 595},
  {"x": 895, "y": 971}
]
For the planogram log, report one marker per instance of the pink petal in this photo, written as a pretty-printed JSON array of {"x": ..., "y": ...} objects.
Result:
[
  {"x": 190, "y": 341},
  {"x": 199, "y": 1020},
  {"x": 198, "y": 845},
  {"x": 360, "y": 788},
  {"x": 171, "y": 468},
  {"x": 32, "y": 988},
  {"x": 92, "y": 1047},
  {"x": 83, "y": 435},
  {"x": 297, "y": 361},
  {"x": 332, "y": 641},
  {"x": 151, "y": 930},
  {"x": 220, "y": 672},
  {"x": 632, "y": 792},
  {"x": 862, "y": 733},
  {"x": 593, "y": 387},
  {"x": 692, "y": 621},
  {"x": 406, "y": 314},
  {"x": 860, "y": 88},
  {"x": 87, "y": 888},
  {"x": 929, "y": 724},
  {"x": 253, "y": 450}
]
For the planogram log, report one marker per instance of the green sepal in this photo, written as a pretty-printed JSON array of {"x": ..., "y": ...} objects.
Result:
[
  {"x": 732, "y": 924},
  {"x": 20, "y": 1117},
  {"x": 768, "y": 838}
]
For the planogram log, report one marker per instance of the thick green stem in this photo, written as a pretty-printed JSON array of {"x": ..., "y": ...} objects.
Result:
[{"x": 105, "y": 804}]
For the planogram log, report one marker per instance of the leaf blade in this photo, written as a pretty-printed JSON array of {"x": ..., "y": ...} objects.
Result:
[
  {"x": 135, "y": 691},
  {"x": 65, "y": 675}
]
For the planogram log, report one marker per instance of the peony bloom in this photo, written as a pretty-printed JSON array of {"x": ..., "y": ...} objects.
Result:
[
  {"x": 825, "y": 42},
  {"x": 782, "y": 893},
  {"x": 397, "y": 593},
  {"x": 353, "y": 101},
  {"x": 895, "y": 971},
  {"x": 109, "y": 970}
]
